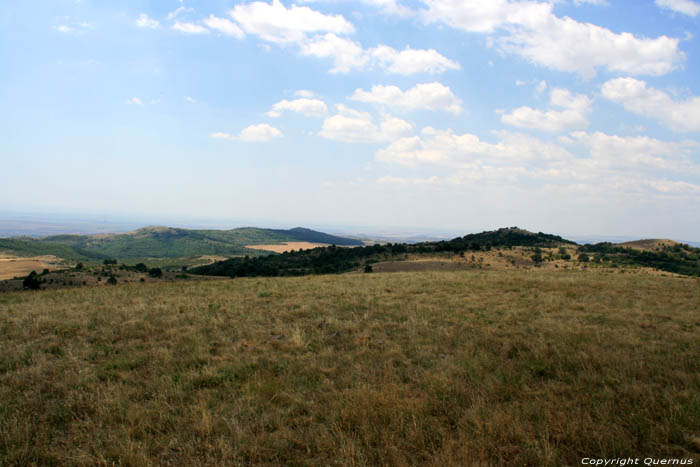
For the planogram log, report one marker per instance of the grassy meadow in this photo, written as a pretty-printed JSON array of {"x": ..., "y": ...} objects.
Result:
[{"x": 415, "y": 368}]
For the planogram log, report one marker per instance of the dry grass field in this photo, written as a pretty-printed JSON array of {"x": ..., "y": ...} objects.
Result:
[
  {"x": 479, "y": 367},
  {"x": 12, "y": 266},
  {"x": 287, "y": 246}
]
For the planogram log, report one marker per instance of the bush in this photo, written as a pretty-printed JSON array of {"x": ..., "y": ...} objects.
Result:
[
  {"x": 155, "y": 272},
  {"x": 368, "y": 268},
  {"x": 112, "y": 280},
  {"x": 583, "y": 257},
  {"x": 109, "y": 262}
]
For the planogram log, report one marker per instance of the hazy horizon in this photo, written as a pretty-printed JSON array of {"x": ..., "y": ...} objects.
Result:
[
  {"x": 45, "y": 224},
  {"x": 579, "y": 118}
]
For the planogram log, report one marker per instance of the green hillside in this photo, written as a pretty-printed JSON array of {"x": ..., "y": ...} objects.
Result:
[
  {"x": 331, "y": 260},
  {"x": 164, "y": 242}
]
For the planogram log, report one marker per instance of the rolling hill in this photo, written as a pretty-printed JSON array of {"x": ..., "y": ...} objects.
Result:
[
  {"x": 337, "y": 260},
  {"x": 164, "y": 242}
]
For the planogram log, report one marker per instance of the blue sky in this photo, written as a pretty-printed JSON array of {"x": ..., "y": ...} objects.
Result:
[{"x": 573, "y": 116}]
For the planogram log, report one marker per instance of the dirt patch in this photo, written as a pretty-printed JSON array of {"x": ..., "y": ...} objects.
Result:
[{"x": 287, "y": 246}]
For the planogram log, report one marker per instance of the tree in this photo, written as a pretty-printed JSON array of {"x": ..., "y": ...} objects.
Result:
[
  {"x": 368, "y": 268},
  {"x": 109, "y": 262},
  {"x": 31, "y": 282},
  {"x": 583, "y": 257}
]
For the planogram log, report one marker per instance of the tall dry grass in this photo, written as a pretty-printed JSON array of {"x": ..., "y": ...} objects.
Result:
[{"x": 452, "y": 368}]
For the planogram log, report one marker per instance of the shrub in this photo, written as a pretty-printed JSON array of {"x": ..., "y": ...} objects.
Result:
[{"x": 155, "y": 272}]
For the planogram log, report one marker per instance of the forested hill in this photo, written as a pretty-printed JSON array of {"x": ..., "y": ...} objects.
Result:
[
  {"x": 302, "y": 234},
  {"x": 336, "y": 260},
  {"x": 511, "y": 236},
  {"x": 164, "y": 242}
]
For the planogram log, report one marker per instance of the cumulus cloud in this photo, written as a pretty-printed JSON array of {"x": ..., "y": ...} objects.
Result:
[
  {"x": 303, "y": 106},
  {"x": 574, "y": 113},
  {"x": 324, "y": 36},
  {"x": 637, "y": 97},
  {"x": 449, "y": 149},
  {"x": 351, "y": 126},
  {"x": 276, "y": 23},
  {"x": 145, "y": 22},
  {"x": 686, "y": 7},
  {"x": 604, "y": 164},
  {"x": 189, "y": 28},
  {"x": 426, "y": 96},
  {"x": 345, "y": 53},
  {"x": 410, "y": 61},
  {"x": 255, "y": 133},
  {"x": 635, "y": 153},
  {"x": 348, "y": 55},
  {"x": 531, "y": 30},
  {"x": 224, "y": 26}
]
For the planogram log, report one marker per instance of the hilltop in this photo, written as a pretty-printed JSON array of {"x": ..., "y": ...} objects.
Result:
[
  {"x": 164, "y": 242},
  {"x": 650, "y": 244}
]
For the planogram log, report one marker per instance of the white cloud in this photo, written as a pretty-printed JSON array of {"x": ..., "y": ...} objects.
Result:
[
  {"x": 635, "y": 153},
  {"x": 531, "y": 30},
  {"x": 189, "y": 28},
  {"x": 591, "y": 2},
  {"x": 64, "y": 29},
  {"x": 482, "y": 16},
  {"x": 609, "y": 165},
  {"x": 255, "y": 133},
  {"x": 191, "y": 100},
  {"x": 76, "y": 28},
  {"x": 145, "y": 22},
  {"x": 410, "y": 61},
  {"x": 427, "y": 96},
  {"x": 135, "y": 101},
  {"x": 574, "y": 113},
  {"x": 391, "y": 7},
  {"x": 322, "y": 36},
  {"x": 448, "y": 149},
  {"x": 637, "y": 97},
  {"x": 174, "y": 14},
  {"x": 348, "y": 55},
  {"x": 276, "y": 23},
  {"x": 304, "y": 93},
  {"x": 224, "y": 26},
  {"x": 303, "y": 106},
  {"x": 352, "y": 126},
  {"x": 687, "y": 7}
]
